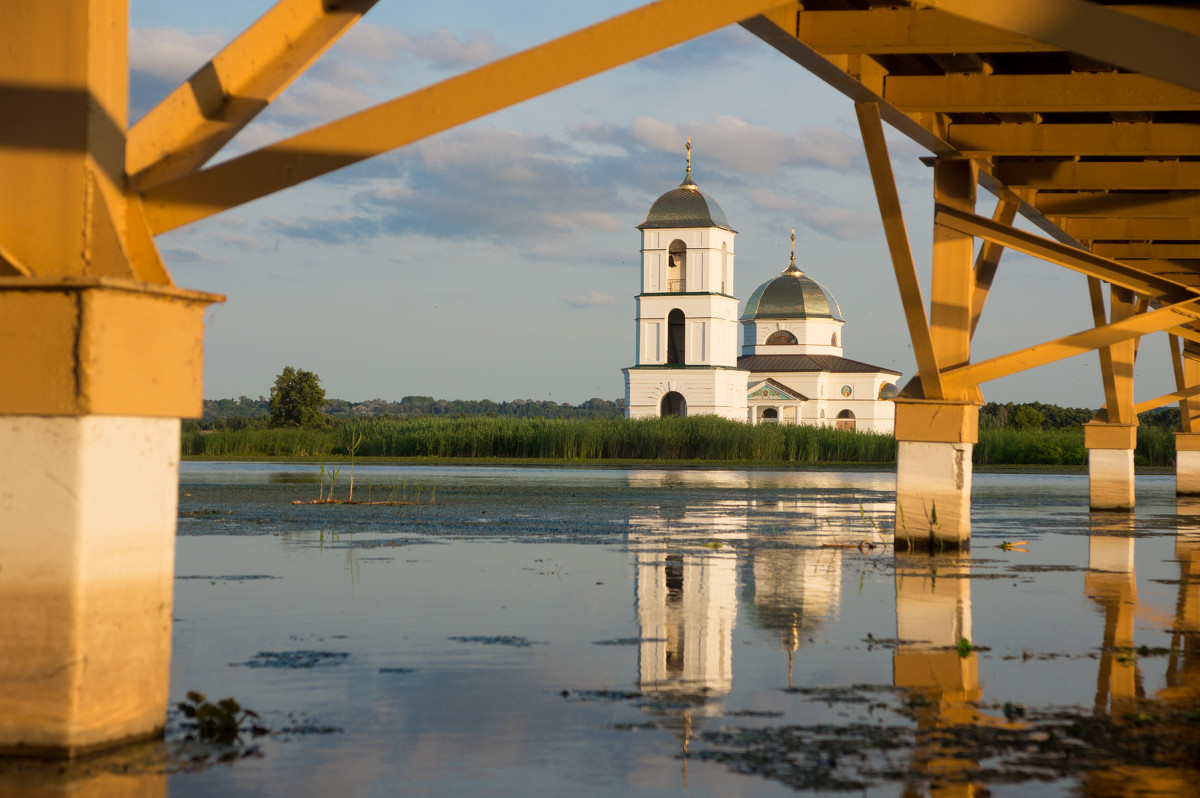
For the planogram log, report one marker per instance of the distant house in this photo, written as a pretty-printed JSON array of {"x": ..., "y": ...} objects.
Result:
[{"x": 791, "y": 369}]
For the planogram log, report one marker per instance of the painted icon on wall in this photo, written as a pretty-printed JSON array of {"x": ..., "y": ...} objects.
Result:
[{"x": 847, "y": 391}]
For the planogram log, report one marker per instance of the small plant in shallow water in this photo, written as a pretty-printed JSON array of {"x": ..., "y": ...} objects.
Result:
[
  {"x": 222, "y": 722},
  {"x": 356, "y": 439},
  {"x": 964, "y": 648}
]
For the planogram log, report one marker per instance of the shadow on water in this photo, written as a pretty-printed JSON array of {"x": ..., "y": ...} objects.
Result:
[{"x": 618, "y": 631}]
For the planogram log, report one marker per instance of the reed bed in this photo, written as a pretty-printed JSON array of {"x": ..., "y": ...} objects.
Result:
[{"x": 695, "y": 438}]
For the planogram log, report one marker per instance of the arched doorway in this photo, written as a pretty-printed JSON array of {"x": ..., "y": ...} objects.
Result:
[
  {"x": 769, "y": 416},
  {"x": 673, "y": 404},
  {"x": 677, "y": 267},
  {"x": 845, "y": 420},
  {"x": 675, "y": 337}
]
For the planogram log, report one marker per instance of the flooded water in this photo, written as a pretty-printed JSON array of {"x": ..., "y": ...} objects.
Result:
[{"x": 550, "y": 631}]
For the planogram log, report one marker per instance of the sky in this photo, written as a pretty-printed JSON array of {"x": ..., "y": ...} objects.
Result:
[{"x": 500, "y": 259}]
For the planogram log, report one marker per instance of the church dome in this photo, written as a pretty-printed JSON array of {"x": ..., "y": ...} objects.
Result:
[
  {"x": 686, "y": 206},
  {"x": 791, "y": 295}
]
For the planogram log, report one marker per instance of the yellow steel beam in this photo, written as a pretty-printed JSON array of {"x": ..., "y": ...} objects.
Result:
[
  {"x": 1099, "y": 175},
  {"x": 1182, "y": 396},
  {"x": 779, "y": 27},
  {"x": 1126, "y": 228},
  {"x": 892, "y": 214},
  {"x": 1129, "y": 139},
  {"x": 898, "y": 31},
  {"x": 1124, "y": 354},
  {"x": 64, "y": 91},
  {"x": 1123, "y": 331},
  {"x": 1161, "y": 204},
  {"x": 1134, "y": 250},
  {"x": 1100, "y": 319},
  {"x": 1082, "y": 92},
  {"x": 988, "y": 261},
  {"x": 953, "y": 280},
  {"x": 1078, "y": 260},
  {"x": 10, "y": 265},
  {"x": 1185, "y": 418},
  {"x": 1097, "y": 31},
  {"x": 392, "y": 124},
  {"x": 187, "y": 128},
  {"x": 1190, "y": 407}
]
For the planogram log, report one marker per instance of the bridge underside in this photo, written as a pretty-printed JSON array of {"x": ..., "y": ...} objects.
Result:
[{"x": 1079, "y": 116}]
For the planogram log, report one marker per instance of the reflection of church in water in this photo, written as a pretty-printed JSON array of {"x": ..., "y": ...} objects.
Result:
[
  {"x": 688, "y": 599},
  {"x": 791, "y": 369}
]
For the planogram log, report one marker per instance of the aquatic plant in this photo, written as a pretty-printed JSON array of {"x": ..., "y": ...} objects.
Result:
[
  {"x": 222, "y": 722},
  {"x": 356, "y": 439}
]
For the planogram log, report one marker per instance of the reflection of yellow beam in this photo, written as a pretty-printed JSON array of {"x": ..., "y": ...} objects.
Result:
[
  {"x": 892, "y": 214},
  {"x": 1099, "y": 175},
  {"x": 188, "y": 127},
  {"x": 1094, "y": 30},
  {"x": 1076, "y": 259},
  {"x": 1165, "y": 204},
  {"x": 1130, "y": 139},
  {"x": 460, "y": 99},
  {"x": 906, "y": 30},
  {"x": 1084, "y": 91},
  {"x": 1126, "y": 329}
]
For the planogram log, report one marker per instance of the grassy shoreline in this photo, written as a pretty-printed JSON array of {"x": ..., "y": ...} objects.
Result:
[{"x": 699, "y": 441}]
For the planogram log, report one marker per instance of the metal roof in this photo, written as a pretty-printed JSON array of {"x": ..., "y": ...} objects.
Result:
[
  {"x": 685, "y": 206},
  {"x": 769, "y": 363},
  {"x": 791, "y": 295}
]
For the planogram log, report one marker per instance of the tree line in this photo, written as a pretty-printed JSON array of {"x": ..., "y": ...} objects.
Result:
[{"x": 298, "y": 400}]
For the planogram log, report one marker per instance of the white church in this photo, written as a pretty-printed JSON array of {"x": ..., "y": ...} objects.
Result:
[{"x": 791, "y": 369}]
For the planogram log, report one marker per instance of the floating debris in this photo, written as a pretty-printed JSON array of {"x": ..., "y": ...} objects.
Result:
[
  {"x": 295, "y": 659},
  {"x": 496, "y": 640}
]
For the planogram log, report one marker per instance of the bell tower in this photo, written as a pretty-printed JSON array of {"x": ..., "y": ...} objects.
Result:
[{"x": 687, "y": 322}]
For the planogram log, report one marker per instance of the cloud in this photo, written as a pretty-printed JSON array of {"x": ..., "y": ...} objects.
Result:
[
  {"x": 444, "y": 50},
  {"x": 550, "y": 196},
  {"x": 589, "y": 299},
  {"x": 170, "y": 54},
  {"x": 717, "y": 50},
  {"x": 751, "y": 149}
]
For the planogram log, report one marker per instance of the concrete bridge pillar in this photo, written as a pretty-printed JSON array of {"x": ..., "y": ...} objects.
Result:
[
  {"x": 1110, "y": 464},
  {"x": 97, "y": 374},
  {"x": 1187, "y": 463},
  {"x": 935, "y": 441}
]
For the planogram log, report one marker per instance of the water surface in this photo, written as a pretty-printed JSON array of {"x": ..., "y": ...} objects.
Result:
[{"x": 549, "y": 631}]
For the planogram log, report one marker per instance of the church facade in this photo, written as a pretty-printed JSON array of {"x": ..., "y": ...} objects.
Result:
[{"x": 791, "y": 368}]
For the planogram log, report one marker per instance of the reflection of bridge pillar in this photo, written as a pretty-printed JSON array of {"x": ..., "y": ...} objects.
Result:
[
  {"x": 1110, "y": 464},
  {"x": 933, "y": 614},
  {"x": 933, "y": 473},
  {"x": 1110, "y": 582}
]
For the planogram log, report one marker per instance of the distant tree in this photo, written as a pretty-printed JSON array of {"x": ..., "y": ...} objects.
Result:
[
  {"x": 1027, "y": 417},
  {"x": 297, "y": 399}
]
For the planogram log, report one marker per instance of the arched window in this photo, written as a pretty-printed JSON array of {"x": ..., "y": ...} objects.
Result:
[
  {"x": 769, "y": 416},
  {"x": 673, "y": 404},
  {"x": 675, "y": 337},
  {"x": 833, "y": 340},
  {"x": 845, "y": 420},
  {"x": 677, "y": 267},
  {"x": 781, "y": 338}
]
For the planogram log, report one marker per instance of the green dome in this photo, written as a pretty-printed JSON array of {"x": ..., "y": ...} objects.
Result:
[
  {"x": 791, "y": 295},
  {"x": 685, "y": 206}
]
